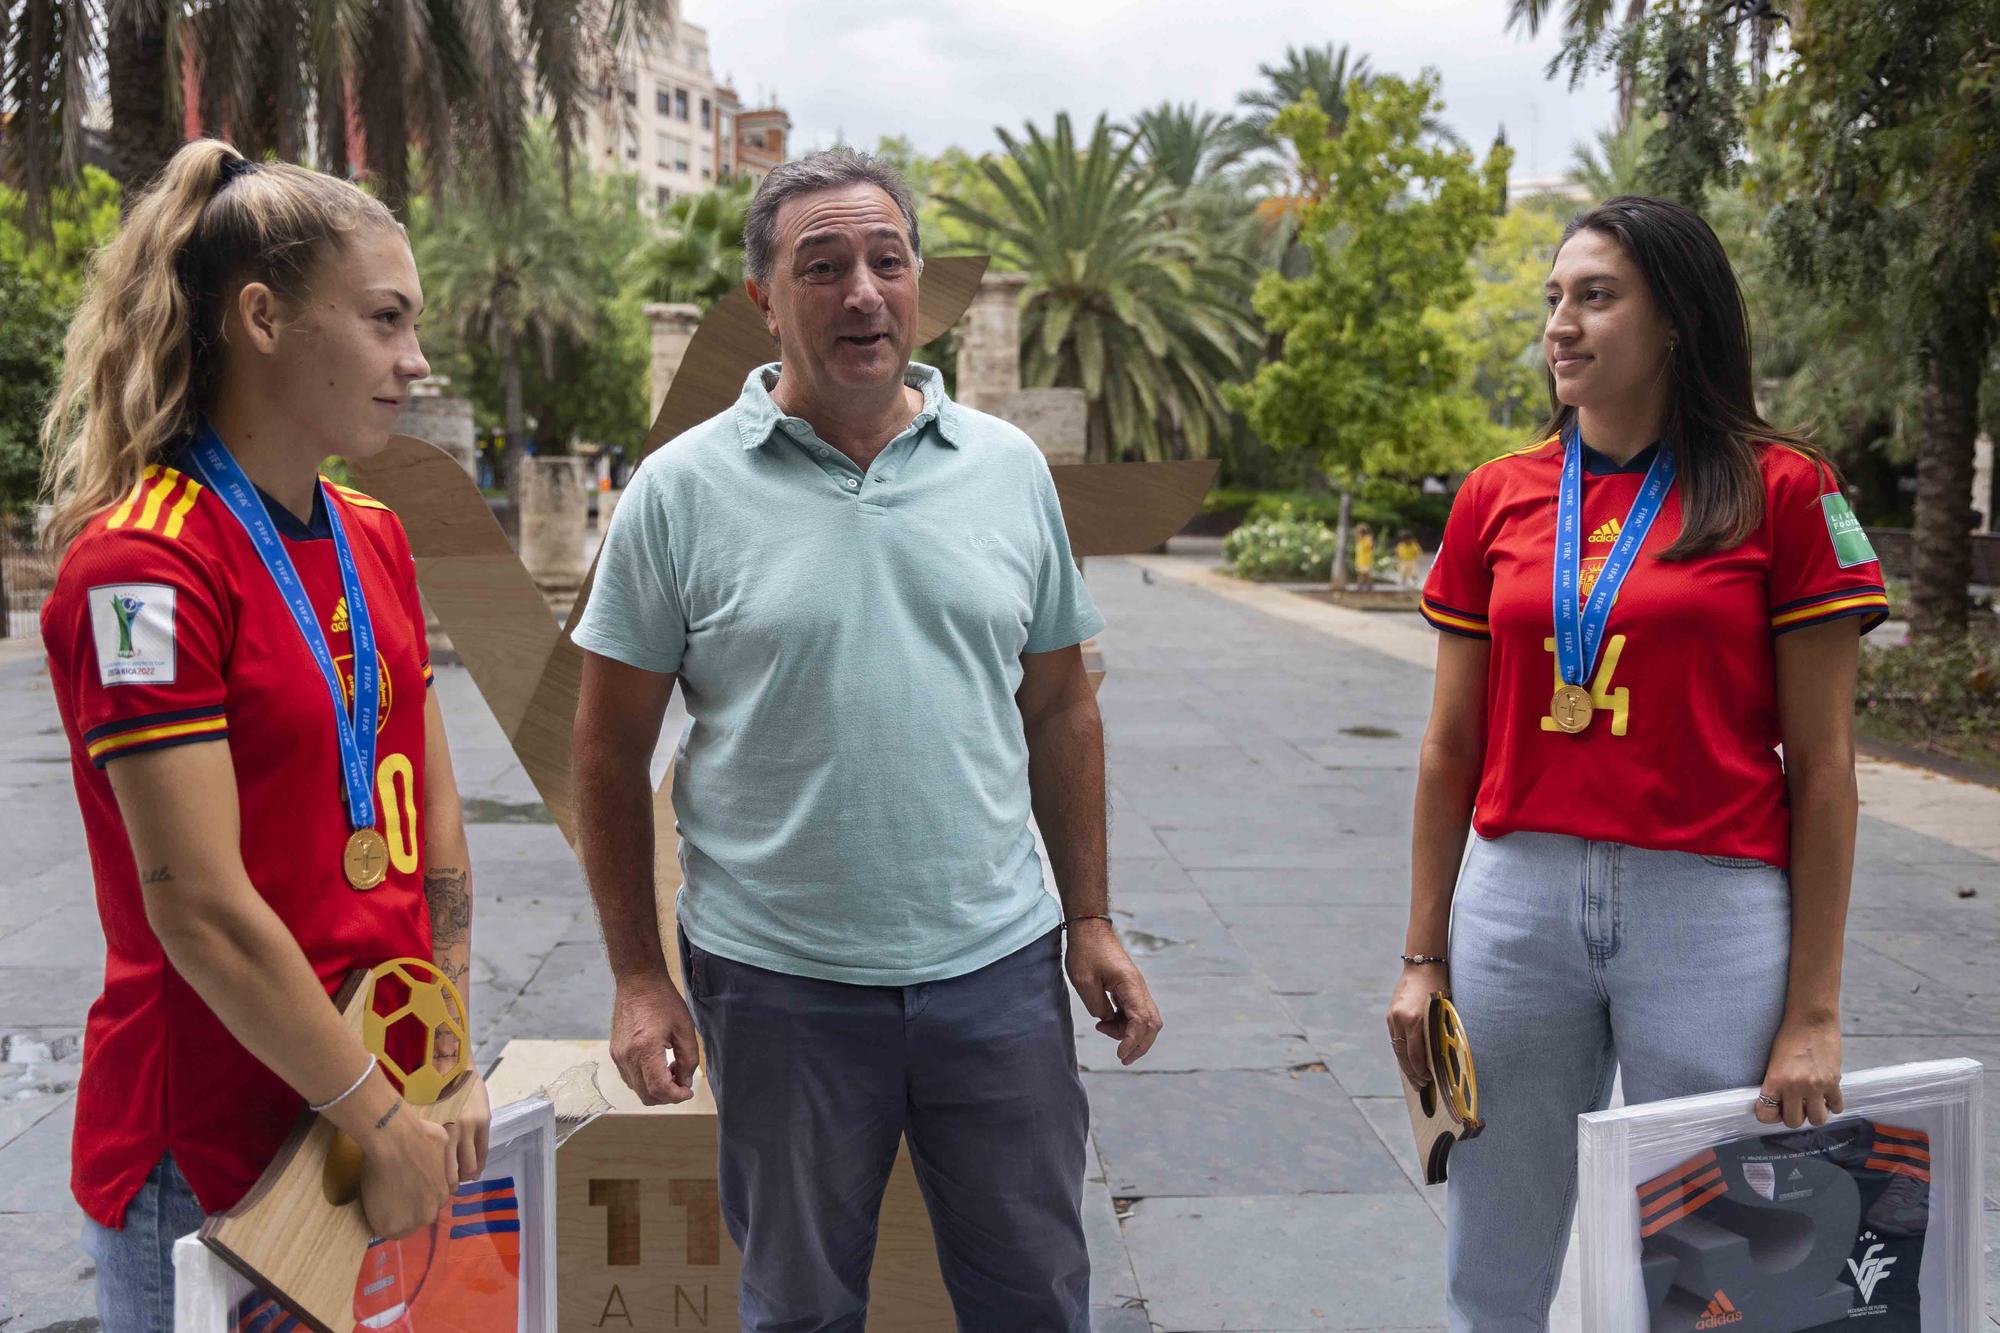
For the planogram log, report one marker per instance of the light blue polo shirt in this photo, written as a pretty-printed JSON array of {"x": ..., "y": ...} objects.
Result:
[{"x": 852, "y": 787}]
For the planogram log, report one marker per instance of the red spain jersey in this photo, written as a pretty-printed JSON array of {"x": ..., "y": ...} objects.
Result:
[
  {"x": 1681, "y": 754},
  {"x": 165, "y": 629}
]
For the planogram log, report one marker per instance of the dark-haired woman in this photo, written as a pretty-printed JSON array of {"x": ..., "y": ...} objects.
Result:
[
  {"x": 238, "y": 655},
  {"x": 1636, "y": 613}
]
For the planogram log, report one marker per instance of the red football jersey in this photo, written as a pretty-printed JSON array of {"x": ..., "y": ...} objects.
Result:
[
  {"x": 1681, "y": 754},
  {"x": 165, "y": 629}
]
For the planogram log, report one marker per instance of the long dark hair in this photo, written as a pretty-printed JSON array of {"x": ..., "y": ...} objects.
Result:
[{"x": 1712, "y": 423}]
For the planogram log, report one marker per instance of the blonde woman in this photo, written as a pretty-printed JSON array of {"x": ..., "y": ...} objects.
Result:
[{"x": 239, "y": 658}]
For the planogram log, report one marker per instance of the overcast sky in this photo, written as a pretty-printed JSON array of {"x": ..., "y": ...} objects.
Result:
[{"x": 946, "y": 72}]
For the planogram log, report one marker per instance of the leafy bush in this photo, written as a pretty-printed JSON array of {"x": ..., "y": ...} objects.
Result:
[
  {"x": 1280, "y": 549},
  {"x": 1941, "y": 696}
]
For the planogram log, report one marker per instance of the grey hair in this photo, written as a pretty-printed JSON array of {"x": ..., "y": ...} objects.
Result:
[{"x": 828, "y": 169}]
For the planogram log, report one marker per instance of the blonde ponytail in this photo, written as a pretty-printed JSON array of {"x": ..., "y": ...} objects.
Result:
[{"x": 143, "y": 356}]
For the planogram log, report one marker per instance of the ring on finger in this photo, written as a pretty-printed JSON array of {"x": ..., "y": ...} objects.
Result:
[{"x": 1769, "y": 1101}]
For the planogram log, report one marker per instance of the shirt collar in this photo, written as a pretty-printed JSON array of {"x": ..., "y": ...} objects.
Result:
[
  {"x": 1600, "y": 465},
  {"x": 758, "y": 416}
]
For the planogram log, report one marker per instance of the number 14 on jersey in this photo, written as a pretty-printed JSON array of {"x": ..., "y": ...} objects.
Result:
[{"x": 1617, "y": 702}]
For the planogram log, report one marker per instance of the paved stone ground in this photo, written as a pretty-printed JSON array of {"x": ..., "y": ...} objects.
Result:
[{"x": 1255, "y": 1171}]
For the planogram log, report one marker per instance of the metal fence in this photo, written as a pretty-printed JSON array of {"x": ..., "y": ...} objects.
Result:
[{"x": 27, "y": 576}]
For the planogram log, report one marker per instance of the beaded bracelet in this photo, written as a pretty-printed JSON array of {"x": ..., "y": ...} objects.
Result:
[{"x": 1419, "y": 959}]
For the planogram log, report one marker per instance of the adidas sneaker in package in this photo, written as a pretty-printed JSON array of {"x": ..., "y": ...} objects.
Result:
[{"x": 1694, "y": 1215}]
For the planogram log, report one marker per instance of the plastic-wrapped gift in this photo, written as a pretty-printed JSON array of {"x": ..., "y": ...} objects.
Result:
[{"x": 1695, "y": 1215}]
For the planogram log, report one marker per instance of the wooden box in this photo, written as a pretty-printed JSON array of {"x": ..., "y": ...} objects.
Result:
[{"x": 640, "y": 1242}]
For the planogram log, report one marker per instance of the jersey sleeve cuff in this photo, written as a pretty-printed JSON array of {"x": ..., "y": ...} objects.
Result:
[
  {"x": 1452, "y": 621},
  {"x": 1869, "y": 601},
  {"x": 154, "y": 731}
]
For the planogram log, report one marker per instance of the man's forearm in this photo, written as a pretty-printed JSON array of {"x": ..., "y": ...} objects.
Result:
[
  {"x": 614, "y": 828},
  {"x": 1066, "y": 785}
]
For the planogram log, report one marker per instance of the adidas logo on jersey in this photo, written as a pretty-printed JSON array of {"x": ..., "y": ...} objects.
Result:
[
  {"x": 339, "y": 622},
  {"x": 1719, "y": 1313},
  {"x": 1607, "y": 532}
]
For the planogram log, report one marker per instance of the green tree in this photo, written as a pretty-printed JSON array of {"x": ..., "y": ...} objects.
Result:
[
  {"x": 513, "y": 277},
  {"x": 1184, "y": 145},
  {"x": 1143, "y": 315},
  {"x": 696, "y": 252},
  {"x": 1368, "y": 383},
  {"x": 1497, "y": 330},
  {"x": 1326, "y": 72},
  {"x": 1894, "y": 109}
]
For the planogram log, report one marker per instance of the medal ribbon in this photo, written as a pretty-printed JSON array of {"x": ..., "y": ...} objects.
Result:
[
  {"x": 1580, "y": 630},
  {"x": 224, "y": 476}
]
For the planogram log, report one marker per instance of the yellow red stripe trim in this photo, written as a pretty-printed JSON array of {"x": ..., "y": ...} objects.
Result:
[
  {"x": 148, "y": 516},
  {"x": 124, "y": 511},
  {"x": 1437, "y": 617},
  {"x": 130, "y": 738},
  {"x": 182, "y": 509},
  {"x": 1826, "y": 609}
]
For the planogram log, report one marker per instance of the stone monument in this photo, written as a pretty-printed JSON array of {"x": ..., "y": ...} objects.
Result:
[{"x": 989, "y": 373}]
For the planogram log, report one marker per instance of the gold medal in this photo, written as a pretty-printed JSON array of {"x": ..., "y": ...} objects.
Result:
[
  {"x": 1571, "y": 709},
  {"x": 366, "y": 860}
]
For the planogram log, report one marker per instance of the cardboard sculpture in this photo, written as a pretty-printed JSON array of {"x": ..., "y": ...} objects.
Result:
[
  {"x": 1446, "y": 1110},
  {"x": 300, "y": 1233}
]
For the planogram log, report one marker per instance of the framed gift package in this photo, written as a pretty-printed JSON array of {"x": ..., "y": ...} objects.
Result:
[{"x": 1694, "y": 1215}]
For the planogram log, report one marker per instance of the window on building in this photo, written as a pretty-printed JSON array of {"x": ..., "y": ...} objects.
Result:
[
  {"x": 628, "y": 88},
  {"x": 631, "y": 150},
  {"x": 662, "y": 196},
  {"x": 680, "y": 103},
  {"x": 663, "y": 153},
  {"x": 662, "y": 104},
  {"x": 756, "y": 138},
  {"x": 680, "y": 154},
  {"x": 705, "y": 113},
  {"x": 706, "y": 173}
]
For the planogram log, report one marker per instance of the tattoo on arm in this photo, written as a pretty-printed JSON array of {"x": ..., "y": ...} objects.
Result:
[
  {"x": 157, "y": 875},
  {"x": 451, "y": 907},
  {"x": 389, "y": 1114}
]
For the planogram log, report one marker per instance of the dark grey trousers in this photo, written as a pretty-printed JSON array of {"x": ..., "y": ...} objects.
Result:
[{"x": 816, "y": 1082}]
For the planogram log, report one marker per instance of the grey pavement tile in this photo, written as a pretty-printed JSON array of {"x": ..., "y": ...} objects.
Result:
[
  {"x": 1962, "y": 960},
  {"x": 34, "y": 1168},
  {"x": 1252, "y": 849},
  {"x": 569, "y": 997},
  {"x": 1349, "y": 1030},
  {"x": 1126, "y": 1320},
  {"x": 1132, "y": 875},
  {"x": 1177, "y": 935},
  {"x": 1352, "y": 948},
  {"x": 1400, "y": 752},
  {"x": 1135, "y": 840},
  {"x": 1389, "y": 1117},
  {"x": 46, "y": 1281},
  {"x": 1112, "y": 1284},
  {"x": 1875, "y": 1052},
  {"x": 1881, "y": 997},
  {"x": 511, "y": 936},
  {"x": 1251, "y": 895},
  {"x": 1352, "y": 1261},
  {"x": 1234, "y": 1132},
  {"x": 1211, "y": 1023},
  {"x": 47, "y": 996},
  {"x": 71, "y": 933}
]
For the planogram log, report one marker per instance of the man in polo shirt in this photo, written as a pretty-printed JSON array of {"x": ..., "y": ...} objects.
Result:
[{"x": 867, "y": 595}]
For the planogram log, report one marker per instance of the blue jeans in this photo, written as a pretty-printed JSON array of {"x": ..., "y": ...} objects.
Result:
[
  {"x": 135, "y": 1265},
  {"x": 816, "y": 1083},
  {"x": 1571, "y": 960}
]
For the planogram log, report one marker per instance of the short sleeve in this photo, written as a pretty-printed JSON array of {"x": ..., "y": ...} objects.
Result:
[
  {"x": 635, "y": 613},
  {"x": 1822, "y": 565},
  {"x": 1460, "y": 585},
  {"x": 405, "y": 561},
  {"x": 136, "y": 635},
  {"x": 1064, "y": 614}
]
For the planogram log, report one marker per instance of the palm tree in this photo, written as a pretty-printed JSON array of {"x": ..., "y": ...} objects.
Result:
[
  {"x": 1584, "y": 25},
  {"x": 1324, "y": 71},
  {"x": 697, "y": 254},
  {"x": 1616, "y": 165},
  {"x": 1143, "y": 314},
  {"x": 1185, "y": 145},
  {"x": 508, "y": 275},
  {"x": 428, "y": 72}
]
